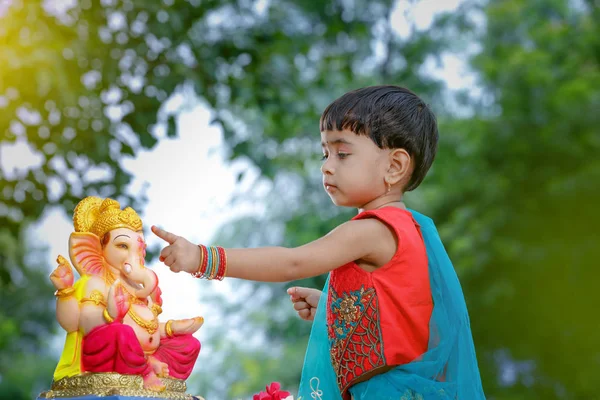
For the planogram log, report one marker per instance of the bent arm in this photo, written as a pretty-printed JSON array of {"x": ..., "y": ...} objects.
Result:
[{"x": 92, "y": 306}]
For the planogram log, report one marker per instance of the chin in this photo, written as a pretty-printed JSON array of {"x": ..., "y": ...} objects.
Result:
[
  {"x": 335, "y": 201},
  {"x": 341, "y": 203}
]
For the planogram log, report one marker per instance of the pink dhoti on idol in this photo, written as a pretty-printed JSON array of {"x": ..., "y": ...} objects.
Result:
[
  {"x": 115, "y": 348},
  {"x": 111, "y": 313},
  {"x": 179, "y": 353}
]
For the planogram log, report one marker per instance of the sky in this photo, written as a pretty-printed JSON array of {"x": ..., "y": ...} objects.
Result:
[{"x": 190, "y": 184}]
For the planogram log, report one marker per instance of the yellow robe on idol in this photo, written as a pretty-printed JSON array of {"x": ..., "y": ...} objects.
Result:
[{"x": 70, "y": 359}]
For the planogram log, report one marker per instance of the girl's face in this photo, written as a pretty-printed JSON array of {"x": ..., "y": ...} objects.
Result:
[{"x": 354, "y": 169}]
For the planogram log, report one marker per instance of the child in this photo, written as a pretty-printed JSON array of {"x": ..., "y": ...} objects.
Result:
[{"x": 392, "y": 322}]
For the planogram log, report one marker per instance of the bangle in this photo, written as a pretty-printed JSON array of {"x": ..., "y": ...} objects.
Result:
[
  {"x": 203, "y": 262},
  {"x": 210, "y": 262},
  {"x": 216, "y": 263},
  {"x": 223, "y": 270},
  {"x": 107, "y": 316},
  {"x": 63, "y": 293},
  {"x": 168, "y": 329},
  {"x": 213, "y": 263},
  {"x": 96, "y": 297}
]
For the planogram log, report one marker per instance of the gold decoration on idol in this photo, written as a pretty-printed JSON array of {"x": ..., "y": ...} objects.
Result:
[
  {"x": 99, "y": 217},
  {"x": 150, "y": 326},
  {"x": 113, "y": 384}
]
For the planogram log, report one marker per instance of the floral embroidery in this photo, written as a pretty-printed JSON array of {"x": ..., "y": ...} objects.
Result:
[
  {"x": 354, "y": 335},
  {"x": 348, "y": 308}
]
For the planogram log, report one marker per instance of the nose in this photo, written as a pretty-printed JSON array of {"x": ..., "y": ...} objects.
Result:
[{"x": 327, "y": 167}]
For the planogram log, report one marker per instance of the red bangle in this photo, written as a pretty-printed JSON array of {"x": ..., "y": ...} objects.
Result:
[
  {"x": 222, "y": 264},
  {"x": 203, "y": 262},
  {"x": 205, "y": 259}
]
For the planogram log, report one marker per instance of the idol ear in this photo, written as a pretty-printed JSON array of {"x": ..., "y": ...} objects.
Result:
[{"x": 86, "y": 253}]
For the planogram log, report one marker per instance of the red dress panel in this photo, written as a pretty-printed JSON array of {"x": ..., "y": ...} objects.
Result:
[{"x": 380, "y": 319}]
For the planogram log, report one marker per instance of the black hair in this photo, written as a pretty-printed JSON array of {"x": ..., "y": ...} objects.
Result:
[{"x": 393, "y": 117}]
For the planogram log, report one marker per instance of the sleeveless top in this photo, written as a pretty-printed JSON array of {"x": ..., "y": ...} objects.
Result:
[{"x": 380, "y": 319}]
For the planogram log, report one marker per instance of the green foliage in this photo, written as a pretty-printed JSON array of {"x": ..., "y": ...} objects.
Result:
[
  {"x": 525, "y": 194},
  {"x": 26, "y": 321}
]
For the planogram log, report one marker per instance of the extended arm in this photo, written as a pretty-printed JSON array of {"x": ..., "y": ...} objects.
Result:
[{"x": 351, "y": 241}]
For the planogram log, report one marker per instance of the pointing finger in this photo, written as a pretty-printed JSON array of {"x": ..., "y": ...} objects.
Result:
[{"x": 164, "y": 235}]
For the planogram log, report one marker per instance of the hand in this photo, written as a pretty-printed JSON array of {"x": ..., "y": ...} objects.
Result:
[
  {"x": 186, "y": 326},
  {"x": 62, "y": 277},
  {"x": 180, "y": 254},
  {"x": 305, "y": 301},
  {"x": 118, "y": 302}
]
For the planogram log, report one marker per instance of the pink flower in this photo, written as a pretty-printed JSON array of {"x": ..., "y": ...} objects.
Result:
[{"x": 273, "y": 393}]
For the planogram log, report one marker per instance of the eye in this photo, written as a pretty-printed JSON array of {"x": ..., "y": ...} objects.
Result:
[
  {"x": 123, "y": 246},
  {"x": 324, "y": 157},
  {"x": 343, "y": 155}
]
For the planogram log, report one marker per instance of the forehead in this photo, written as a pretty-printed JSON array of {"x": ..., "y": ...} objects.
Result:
[
  {"x": 348, "y": 140},
  {"x": 329, "y": 138},
  {"x": 125, "y": 234}
]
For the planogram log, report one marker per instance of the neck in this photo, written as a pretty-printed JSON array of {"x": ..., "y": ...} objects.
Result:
[{"x": 380, "y": 203}]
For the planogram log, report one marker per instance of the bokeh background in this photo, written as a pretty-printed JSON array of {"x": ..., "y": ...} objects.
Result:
[{"x": 203, "y": 115}]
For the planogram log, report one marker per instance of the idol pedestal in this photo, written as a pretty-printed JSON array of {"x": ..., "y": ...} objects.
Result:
[{"x": 113, "y": 386}]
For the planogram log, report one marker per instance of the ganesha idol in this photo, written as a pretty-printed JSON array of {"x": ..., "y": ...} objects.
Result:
[{"x": 116, "y": 344}]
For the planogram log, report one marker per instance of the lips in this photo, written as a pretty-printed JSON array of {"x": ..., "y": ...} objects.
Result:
[{"x": 329, "y": 186}]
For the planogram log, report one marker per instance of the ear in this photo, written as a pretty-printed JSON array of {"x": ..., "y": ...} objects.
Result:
[
  {"x": 400, "y": 167},
  {"x": 86, "y": 253}
]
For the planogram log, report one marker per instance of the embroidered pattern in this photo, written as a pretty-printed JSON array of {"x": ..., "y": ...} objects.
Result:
[
  {"x": 315, "y": 393},
  {"x": 354, "y": 335}
]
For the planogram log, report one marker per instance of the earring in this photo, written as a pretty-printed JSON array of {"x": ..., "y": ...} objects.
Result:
[{"x": 389, "y": 186}]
